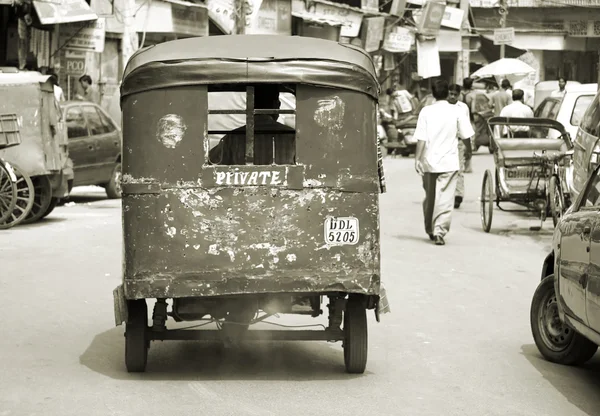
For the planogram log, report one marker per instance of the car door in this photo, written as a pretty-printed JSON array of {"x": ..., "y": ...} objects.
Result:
[
  {"x": 591, "y": 283},
  {"x": 109, "y": 144},
  {"x": 81, "y": 145},
  {"x": 575, "y": 251},
  {"x": 99, "y": 132}
]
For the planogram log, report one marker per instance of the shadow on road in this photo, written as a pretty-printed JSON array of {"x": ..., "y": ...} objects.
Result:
[
  {"x": 84, "y": 199},
  {"x": 196, "y": 360},
  {"x": 579, "y": 385}
]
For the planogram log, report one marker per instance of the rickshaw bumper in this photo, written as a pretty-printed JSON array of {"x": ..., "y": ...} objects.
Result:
[{"x": 120, "y": 305}]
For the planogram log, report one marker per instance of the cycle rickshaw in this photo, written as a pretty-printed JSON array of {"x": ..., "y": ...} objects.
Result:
[
  {"x": 274, "y": 231},
  {"x": 531, "y": 169}
]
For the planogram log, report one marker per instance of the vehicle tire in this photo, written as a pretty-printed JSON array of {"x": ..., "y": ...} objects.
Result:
[
  {"x": 42, "y": 198},
  {"x": 8, "y": 193},
  {"x": 113, "y": 188},
  {"x": 557, "y": 202},
  {"x": 24, "y": 200},
  {"x": 53, "y": 204},
  {"x": 355, "y": 336},
  {"x": 487, "y": 201},
  {"x": 490, "y": 149},
  {"x": 136, "y": 336},
  {"x": 556, "y": 341}
]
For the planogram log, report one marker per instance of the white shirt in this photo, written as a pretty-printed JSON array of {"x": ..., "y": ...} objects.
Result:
[
  {"x": 58, "y": 93},
  {"x": 439, "y": 126},
  {"x": 464, "y": 108},
  {"x": 558, "y": 93},
  {"x": 517, "y": 109}
]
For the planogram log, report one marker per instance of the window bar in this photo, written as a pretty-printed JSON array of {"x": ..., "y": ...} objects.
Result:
[{"x": 250, "y": 120}]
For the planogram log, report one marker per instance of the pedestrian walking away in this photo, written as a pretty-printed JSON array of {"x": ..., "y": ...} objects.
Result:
[
  {"x": 438, "y": 128},
  {"x": 517, "y": 109},
  {"x": 463, "y": 155}
]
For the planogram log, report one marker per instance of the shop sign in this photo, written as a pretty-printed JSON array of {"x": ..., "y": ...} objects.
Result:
[
  {"x": 351, "y": 20},
  {"x": 75, "y": 62},
  {"x": 398, "y": 39},
  {"x": 63, "y": 11},
  {"x": 270, "y": 17},
  {"x": 388, "y": 61},
  {"x": 453, "y": 17},
  {"x": 88, "y": 36},
  {"x": 398, "y": 7},
  {"x": 189, "y": 20},
  {"x": 431, "y": 18},
  {"x": 372, "y": 33},
  {"x": 583, "y": 28},
  {"x": 504, "y": 36},
  {"x": 222, "y": 13}
]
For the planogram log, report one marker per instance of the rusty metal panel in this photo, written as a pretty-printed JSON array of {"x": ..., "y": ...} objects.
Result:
[
  {"x": 337, "y": 138},
  {"x": 197, "y": 242},
  {"x": 163, "y": 135},
  {"x": 25, "y": 100}
]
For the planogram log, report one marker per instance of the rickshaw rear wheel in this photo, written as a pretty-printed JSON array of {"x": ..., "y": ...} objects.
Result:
[
  {"x": 113, "y": 188},
  {"x": 136, "y": 336},
  {"x": 24, "y": 200},
  {"x": 355, "y": 336},
  {"x": 42, "y": 198},
  {"x": 487, "y": 201},
  {"x": 8, "y": 193},
  {"x": 557, "y": 202}
]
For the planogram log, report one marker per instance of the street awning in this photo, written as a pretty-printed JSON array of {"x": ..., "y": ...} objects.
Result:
[
  {"x": 491, "y": 52},
  {"x": 51, "y": 12},
  {"x": 171, "y": 16}
]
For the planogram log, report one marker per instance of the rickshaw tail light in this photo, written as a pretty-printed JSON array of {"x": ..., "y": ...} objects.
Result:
[{"x": 595, "y": 157}]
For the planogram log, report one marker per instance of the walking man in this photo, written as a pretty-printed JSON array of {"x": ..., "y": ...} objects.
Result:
[
  {"x": 517, "y": 109},
  {"x": 453, "y": 98},
  {"x": 438, "y": 127}
]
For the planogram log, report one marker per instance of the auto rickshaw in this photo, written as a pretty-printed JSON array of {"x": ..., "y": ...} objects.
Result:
[
  {"x": 235, "y": 244},
  {"x": 41, "y": 160}
]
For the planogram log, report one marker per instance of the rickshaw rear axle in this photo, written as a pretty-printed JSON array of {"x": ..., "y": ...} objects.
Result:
[{"x": 254, "y": 335}]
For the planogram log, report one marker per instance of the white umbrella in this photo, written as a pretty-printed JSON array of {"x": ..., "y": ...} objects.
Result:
[{"x": 507, "y": 68}]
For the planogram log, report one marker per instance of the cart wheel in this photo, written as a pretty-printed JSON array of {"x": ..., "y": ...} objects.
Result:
[
  {"x": 557, "y": 202},
  {"x": 42, "y": 198},
  {"x": 53, "y": 204},
  {"x": 8, "y": 193},
  {"x": 136, "y": 336},
  {"x": 487, "y": 201},
  {"x": 24, "y": 200},
  {"x": 355, "y": 336}
]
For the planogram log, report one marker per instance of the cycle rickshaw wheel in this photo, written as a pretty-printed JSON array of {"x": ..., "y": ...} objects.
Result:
[
  {"x": 8, "y": 193},
  {"x": 557, "y": 201},
  {"x": 487, "y": 201},
  {"x": 42, "y": 198},
  {"x": 23, "y": 201}
]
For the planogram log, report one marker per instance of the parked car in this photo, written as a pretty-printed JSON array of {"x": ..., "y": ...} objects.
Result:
[
  {"x": 94, "y": 146},
  {"x": 586, "y": 147},
  {"x": 568, "y": 110},
  {"x": 565, "y": 310}
]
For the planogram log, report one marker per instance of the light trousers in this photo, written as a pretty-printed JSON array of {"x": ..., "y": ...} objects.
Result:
[{"x": 440, "y": 190}]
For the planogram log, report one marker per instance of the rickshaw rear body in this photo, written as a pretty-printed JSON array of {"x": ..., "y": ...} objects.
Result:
[
  {"x": 43, "y": 149},
  {"x": 193, "y": 229}
]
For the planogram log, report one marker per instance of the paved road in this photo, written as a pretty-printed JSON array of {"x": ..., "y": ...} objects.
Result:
[{"x": 457, "y": 343}]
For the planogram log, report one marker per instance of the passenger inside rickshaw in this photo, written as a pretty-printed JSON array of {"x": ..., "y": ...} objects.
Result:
[{"x": 270, "y": 138}]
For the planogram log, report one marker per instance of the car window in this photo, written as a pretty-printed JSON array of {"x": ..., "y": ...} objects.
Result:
[
  {"x": 108, "y": 124},
  {"x": 94, "y": 122},
  {"x": 76, "y": 126},
  {"x": 546, "y": 109},
  {"x": 581, "y": 104},
  {"x": 591, "y": 118},
  {"x": 591, "y": 199}
]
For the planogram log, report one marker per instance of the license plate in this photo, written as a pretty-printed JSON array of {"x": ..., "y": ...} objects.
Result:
[
  {"x": 341, "y": 230},
  {"x": 522, "y": 173}
]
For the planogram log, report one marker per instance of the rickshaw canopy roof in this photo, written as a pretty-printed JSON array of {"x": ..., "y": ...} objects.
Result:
[
  {"x": 247, "y": 59},
  {"x": 530, "y": 122}
]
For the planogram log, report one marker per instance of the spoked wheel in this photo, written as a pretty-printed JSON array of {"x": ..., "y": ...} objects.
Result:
[
  {"x": 555, "y": 340},
  {"x": 23, "y": 201},
  {"x": 355, "y": 336},
  {"x": 136, "y": 336},
  {"x": 8, "y": 193},
  {"x": 557, "y": 201},
  {"x": 487, "y": 201},
  {"x": 42, "y": 199}
]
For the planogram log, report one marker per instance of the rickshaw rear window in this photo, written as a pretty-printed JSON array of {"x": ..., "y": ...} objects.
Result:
[{"x": 236, "y": 138}]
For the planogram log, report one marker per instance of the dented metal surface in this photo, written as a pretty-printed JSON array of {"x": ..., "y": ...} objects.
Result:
[{"x": 193, "y": 229}]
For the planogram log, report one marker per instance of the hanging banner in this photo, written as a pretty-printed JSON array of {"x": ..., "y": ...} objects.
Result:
[
  {"x": 428, "y": 59},
  {"x": 372, "y": 33},
  {"x": 349, "y": 17},
  {"x": 88, "y": 36},
  {"x": 389, "y": 62},
  {"x": 398, "y": 39},
  {"x": 453, "y": 17},
  {"x": 271, "y": 17},
  {"x": 431, "y": 17}
]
